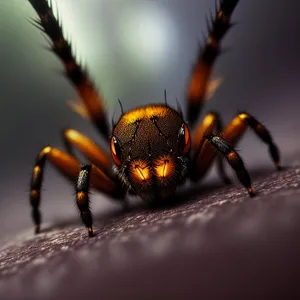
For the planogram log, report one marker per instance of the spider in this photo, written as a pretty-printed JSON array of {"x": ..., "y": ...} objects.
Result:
[{"x": 153, "y": 149}]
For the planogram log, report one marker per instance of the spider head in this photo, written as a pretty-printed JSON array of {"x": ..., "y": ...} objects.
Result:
[{"x": 150, "y": 147}]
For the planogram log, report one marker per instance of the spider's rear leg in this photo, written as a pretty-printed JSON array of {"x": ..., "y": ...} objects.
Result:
[
  {"x": 204, "y": 152},
  {"x": 220, "y": 157},
  {"x": 69, "y": 167},
  {"x": 237, "y": 127},
  {"x": 198, "y": 86}
]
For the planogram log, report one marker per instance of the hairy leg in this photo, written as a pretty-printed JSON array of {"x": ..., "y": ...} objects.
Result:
[
  {"x": 233, "y": 159},
  {"x": 198, "y": 86},
  {"x": 69, "y": 167},
  {"x": 204, "y": 152},
  {"x": 237, "y": 127},
  {"x": 211, "y": 122},
  {"x": 74, "y": 72}
]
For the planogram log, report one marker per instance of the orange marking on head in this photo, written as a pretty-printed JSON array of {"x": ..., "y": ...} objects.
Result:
[
  {"x": 145, "y": 112},
  {"x": 164, "y": 167},
  {"x": 162, "y": 170},
  {"x": 144, "y": 174},
  {"x": 140, "y": 170}
]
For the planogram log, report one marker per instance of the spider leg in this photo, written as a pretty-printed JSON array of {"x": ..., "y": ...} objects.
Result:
[
  {"x": 90, "y": 150},
  {"x": 210, "y": 122},
  {"x": 237, "y": 127},
  {"x": 198, "y": 85},
  {"x": 233, "y": 159},
  {"x": 83, "y": 199},
  {"x": 69, "y": 167},
  {"x": 220, "y": 157},
  {"x": 74, "y": 72},
  {"x": 205, "y": 152}
]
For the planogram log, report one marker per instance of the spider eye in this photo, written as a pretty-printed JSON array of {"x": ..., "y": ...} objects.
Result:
[
  {"x": 184, "y": 139},
  {"x": 115, "y": 150}
]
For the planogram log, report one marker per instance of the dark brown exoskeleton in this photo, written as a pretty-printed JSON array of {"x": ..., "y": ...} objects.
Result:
[{"x": 152, "y": 147}]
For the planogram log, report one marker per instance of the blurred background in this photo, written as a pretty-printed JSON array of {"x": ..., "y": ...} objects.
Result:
[{"x": 134, "y": 50}]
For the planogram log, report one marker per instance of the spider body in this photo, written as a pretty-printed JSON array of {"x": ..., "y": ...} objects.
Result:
[
  {"x": 153, "y": 148},
  {"x": 150, "y": 147}
]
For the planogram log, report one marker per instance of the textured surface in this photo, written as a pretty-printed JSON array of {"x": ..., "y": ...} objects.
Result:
[{"x": 219, "y": 243}]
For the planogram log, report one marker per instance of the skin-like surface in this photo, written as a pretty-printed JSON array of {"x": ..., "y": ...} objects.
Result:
[{"x": 217, "y": 244}]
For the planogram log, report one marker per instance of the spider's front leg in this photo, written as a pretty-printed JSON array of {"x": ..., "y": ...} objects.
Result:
[
  {"x": 94, "y": 106},
  {"x": 69, "y": 167},
  {"x": 82, "y": 197}
]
